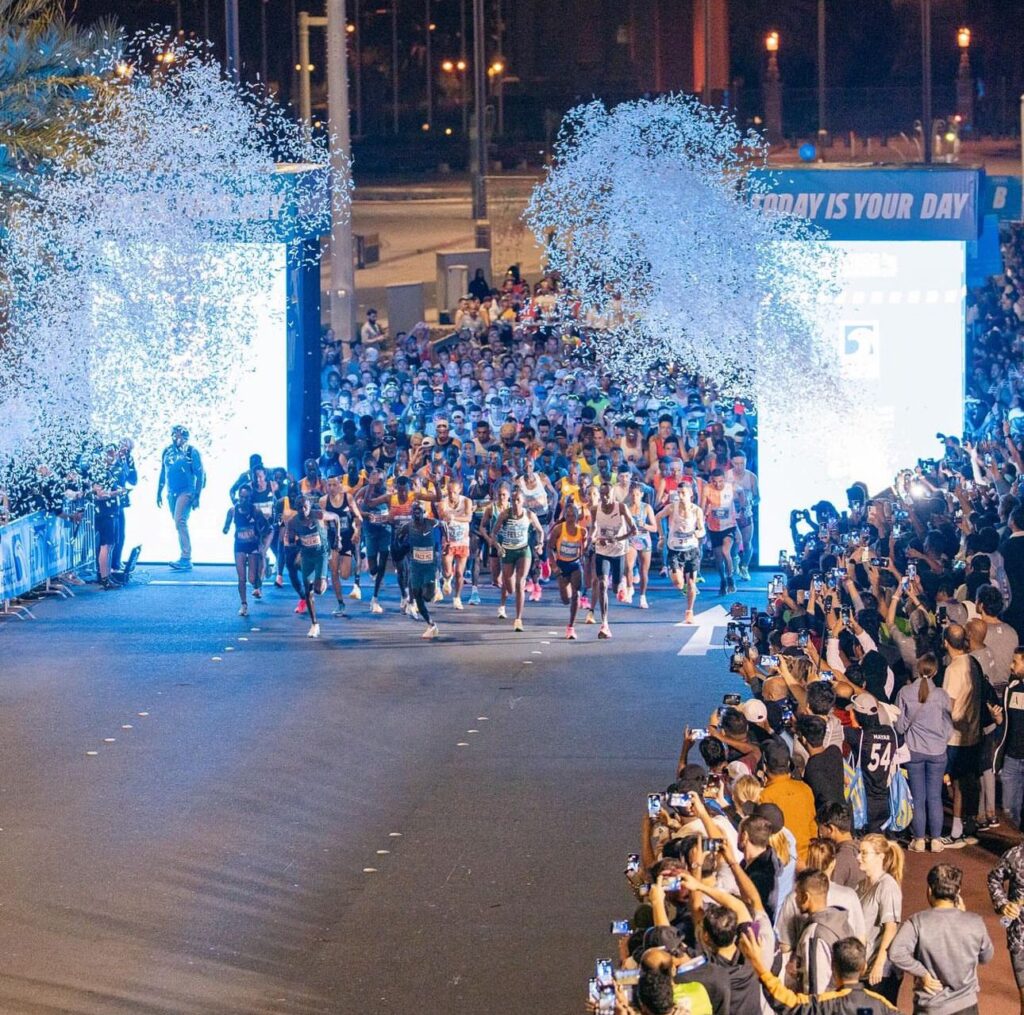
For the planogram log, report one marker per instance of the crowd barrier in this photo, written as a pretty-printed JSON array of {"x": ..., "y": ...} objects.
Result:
[{"x": 41, "y": 546}]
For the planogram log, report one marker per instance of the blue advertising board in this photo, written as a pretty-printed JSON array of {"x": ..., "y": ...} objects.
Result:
[{"x": 906, "y": 203}]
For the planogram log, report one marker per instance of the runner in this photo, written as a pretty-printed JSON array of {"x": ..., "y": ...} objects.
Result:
[
  {"x": 538, "y": 496},
  {"x": 251, "y": 526},
  {"x": 511, "y": 542},
  {"x": 499, "y": 503},
  {"x": 685, "y": 533},
  {"x": 307, "y": 531},
  {"x": 419, "y": 539},
  {"x": 478, "y": 490},
  {"x": 568, "y": 541},
  {"x": 719, "y": 507},
  {"x": 591, "y": 497},
  {"x": 638, "y": 552},
  {"x": 456, "y": 511},
  {"x": 263, "y": 498},
  {"x": 376, "y": 532},
  {"x": 351, "y": 483},
  {"x": 343, "y": 536},
  {"x": 745, "y": 484},
  {"x": 612, "y": 529}
]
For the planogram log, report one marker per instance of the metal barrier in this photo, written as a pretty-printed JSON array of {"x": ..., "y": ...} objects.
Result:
[{"x": 39, "y": 547}]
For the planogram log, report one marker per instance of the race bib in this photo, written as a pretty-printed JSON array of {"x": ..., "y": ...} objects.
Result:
[
  {"x": 246, "y": 535},
  {"x": 458, "y": 531},
  {"x": 720, "y": 513},
  {"x": 423, "y": 554},
  {"x": 310, "y": 540},
  {"x": 265, "y": 508},
  {"x": 568, "y": 551}
]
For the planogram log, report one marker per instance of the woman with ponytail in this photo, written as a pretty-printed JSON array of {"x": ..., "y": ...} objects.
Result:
[
  {"x": 925, "y": 721},
  {"x": 881, "y": 898}
]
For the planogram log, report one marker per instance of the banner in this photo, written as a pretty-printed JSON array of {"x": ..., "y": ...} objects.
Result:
[
  {"x": 41, "y": 546},
  {"x": 920, "y": 203},
  {"x": 1002, "y": 198}
]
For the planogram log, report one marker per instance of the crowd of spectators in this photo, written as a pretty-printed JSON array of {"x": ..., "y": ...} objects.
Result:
[{"x": 879, "y": 708}]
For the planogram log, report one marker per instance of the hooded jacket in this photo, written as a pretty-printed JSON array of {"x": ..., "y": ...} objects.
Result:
[{"x": 814, "y": 949}]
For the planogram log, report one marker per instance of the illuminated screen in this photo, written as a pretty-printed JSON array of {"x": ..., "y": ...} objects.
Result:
[
  {"x": 899, "y": 333},
  {"x": 253, "y": 419}
]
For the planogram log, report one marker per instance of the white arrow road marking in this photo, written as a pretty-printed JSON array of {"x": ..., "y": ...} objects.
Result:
[{"x": 699, "y": 643}]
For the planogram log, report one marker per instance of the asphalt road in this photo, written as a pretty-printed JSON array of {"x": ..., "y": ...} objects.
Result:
[{"x": 365, "y": 823}]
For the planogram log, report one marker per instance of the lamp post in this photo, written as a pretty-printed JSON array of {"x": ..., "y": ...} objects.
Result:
[
  {"x": 429, "y": 27},
  {"x": 394, "y": 66},
  {"x": 459, "y": 67},
  {"x": 478, "y": 142},
  {"x": 496, "y": 72},
  {"x": 233, "y": 56},
  {"x": 927, "y": 128},
  {"x": 822, "y": 120},
  {"x": 772, "y": 89},
  {"x": 356, "y": 31},
  {"x": 964, "y": 84},
  {"x": 343, "y": 275},
  {"x": 304, "y": 66}
]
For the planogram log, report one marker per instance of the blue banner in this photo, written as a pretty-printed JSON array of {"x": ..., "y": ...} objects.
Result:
[
  {"x": 41, "y": 546},
  {"x": 912, "y": 203},
  {"x": 1002, "y": 198}
]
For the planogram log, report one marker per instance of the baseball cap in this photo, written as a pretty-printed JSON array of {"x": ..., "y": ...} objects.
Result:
[
  {"x": 691, "y": 779},
  {"x": 865, "y": 704},
  {"x": 772, "y": 814},
  {"x": 754, "y": 710}
]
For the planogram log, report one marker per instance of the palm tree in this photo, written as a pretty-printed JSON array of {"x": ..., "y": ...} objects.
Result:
[{"x": 49, "y": 70}]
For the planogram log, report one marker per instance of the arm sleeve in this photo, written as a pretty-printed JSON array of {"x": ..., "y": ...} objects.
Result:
[
  {"x": 986, "y": 951},
  {"x": 902, "y": 949},
  {"x": 782, "y": 998}
]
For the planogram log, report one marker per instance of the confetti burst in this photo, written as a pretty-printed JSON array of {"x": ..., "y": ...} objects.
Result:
[
  {"x": 646, "y": 214},
  {"x": 127, "y": 264}
]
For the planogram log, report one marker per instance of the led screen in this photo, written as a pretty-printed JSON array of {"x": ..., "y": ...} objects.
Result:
[
  {"x": 252, "y": 419},
  {"x": 899, "y": 335}
]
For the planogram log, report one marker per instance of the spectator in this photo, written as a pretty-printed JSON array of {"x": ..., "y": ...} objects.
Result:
[
  {"x": 795, "y": 799},
  {"x": 1006, "y": 890},
  {"x": 872, "y": 748},
  {"x": 371, "y": 333},
  {"x": 823, "y": 771},
  {"x": 963, "y": 683},
  {"x": 1009, "y": 759},
  {"x": 835, "y": 822},
  {"x": 942, "y": 947},
  {"x": 926, "y": 722},
  {"x": 881, "y": 898},
  {"x": 824, "y": 926}
]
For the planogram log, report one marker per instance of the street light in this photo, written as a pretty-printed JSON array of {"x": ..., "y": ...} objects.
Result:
[
  {"x": 926, "y": 78},
  {"x": 496, "y": 72},
  {"x": 773, "y": 89},
  {"x": 459, "y": 67},
  {"x": 822, "y": 101},
  {"x": 964, "y": 84}
]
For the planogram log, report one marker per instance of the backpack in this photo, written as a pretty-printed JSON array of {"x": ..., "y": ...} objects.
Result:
[{"x": 856, "y": 795}]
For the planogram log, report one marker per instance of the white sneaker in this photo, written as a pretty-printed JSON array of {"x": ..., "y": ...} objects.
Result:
[
  {"x": 474, "y": 597},
  {"x": 243, "y": 610},
  {"x": 375, "y": 607},
  {"x": 413, "y": 612},
  {"x": 403, "y": 605},
  {"x": 314, "y": 631},
  {"x": 355, "y": 593},
  {"x": 643, "y": 603},
  {"x": 429, "y": 633},
  {"x": 446, "y": 585},
  {"x": 590, "y": 617},
  {"x": 457, "y": 602},
  {"x": 502, "y": 615},
  {"x": 517, "y": 624},
  {"x": 438, "y": 594}
]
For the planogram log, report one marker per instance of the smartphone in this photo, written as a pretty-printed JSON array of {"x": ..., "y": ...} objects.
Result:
[
  {"x": 711, "y": 845},
  {"x": 897, "y": 530},
  {"x": 879, "y": 561},
  {"x": 769, "y": 662},
  {"x": 632, "y": 863},
  {"x": 712, "y": 786},
  {"x": 787, "y": 715},
  {"x": 803, "y": 638},
  {"x": 911, "y": 570},
  {"x": 606, "y": 999},
  {"x": 783, "y": 558},
  {"x": 829, "y": 602},
  {"x": 731, "y": 700},
  {"x": 679, "y": 799},
  {"x": 826, "y": 675},
  {"x": 988, "y": 459},
  {"x": 818, "y": 581},
  {"x": 604, "y": 972},
  {"x": 627, "y": 977},
  {"x": 621, "y": 927},
  {"x": 593, "y": 991},
  {"x": 696, "y": 735},
  {"x": 673, "y": 884},
  {"x": 845, "y": 614},
  {"x": 941, "y": 614},
  {"x": 904, "y": 583},
  {"x": 801, "y": 596},
  {"x": 653, "y": 804}
]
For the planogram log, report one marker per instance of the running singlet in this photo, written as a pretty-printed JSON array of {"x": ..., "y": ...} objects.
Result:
[
  {"x": 682, "y": 530},
  {"x": 263, "y": 501},
  {"x": 609, "y": 533},
  {"x": 245, "y": 530},
  {"x": 344, "y": 513},
  {"x": 401, "y": 514},
  {"x": 721, "y": 510},
  {"x": 515, "y": 533},
  {"x": 569, "y": 547},
  {"x": 570, "y": 490},
  {"x": 309, "y": 534},
  {"x": 378, "y": 514},
  {"x": 422, "y": 547},
  {"x": 535, "y": 497}
]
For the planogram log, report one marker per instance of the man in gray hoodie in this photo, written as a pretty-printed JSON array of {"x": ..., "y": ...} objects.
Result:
[
  {"x": 942, "y": 947},
  {"x": 825, "y": 926}
]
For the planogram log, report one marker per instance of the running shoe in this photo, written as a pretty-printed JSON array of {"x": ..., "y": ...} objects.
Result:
[
  {"x": 620, "y": 593},
  {"x": 446, "y": 586},
  {"x": 517, "y": 624},
  {"x": 438, "y": 594},
  {"x": 257, "y": 593},
  {"x": 279, "y": 582},
  {"x": 992, "y": 823},
  {"x": 107, "y": 585},
  {"x": 243, "y": 610},
  {"x": 301, "y": 607},
  {"x": 584, "y": 602},
  {"x": 457, "y": 603},
  {"x": 948, "y": 842},
  {"x": 630, "y": 594},
  {"x": 545, "y": 570},
  {"x": 590, "y": 617},
  {"x": 180, "y": 565},
  {"x": 689, "y": 619},
  {"x": 663, "y": 572},
  {"x": 340, "y": 611},
  {"x": 643, "y": 602},
  {"x": 413, "y": 612},
  {"x": 355, "y": 593},
  {"x": 721, "y": 589},
  {"x": 604, "y": 631},
  {"x": 731, "y": 586},
  {"x": 375, "y": 607},
  {"x": 502, "y": 615},
  {"x": 536, "y": 594},
  {"x": 744, "y": 573},
  {"x": 403, "y": 605},
  {"x": 700, "y": 579},
  {"x": 917, "y": 846},
  {"x": 936, "y": 846},
  {"x": 429, "y": 633},
  {"x": 570, "y": 633},
  {"x": 474, "y": 597},
  {"x": 528, "y": 586},
  {"x": 314, "y": 631}
]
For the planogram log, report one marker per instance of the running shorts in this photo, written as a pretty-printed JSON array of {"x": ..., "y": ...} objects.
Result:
[
  {"x": 377, "y": 539},
  {"x": 609, "y": 566},
  {"x": 516, "y": 555},
  {"x": 718, "y": 538},
  {"x": 567, "y": 568},
  {"x": 686, "y": 561},
  {"x": 314, "y": 565}
]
